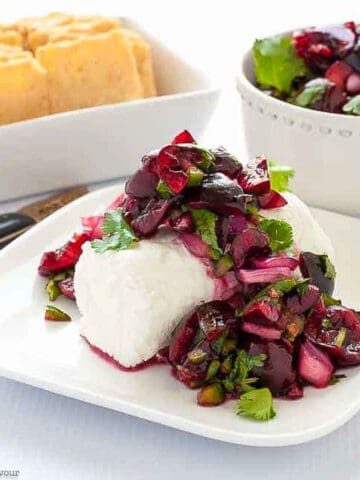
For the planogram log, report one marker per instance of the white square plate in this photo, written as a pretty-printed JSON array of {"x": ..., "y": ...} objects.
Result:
[
  {"x": 106, "y": 142},
  {"x": 54, "y": 357}
]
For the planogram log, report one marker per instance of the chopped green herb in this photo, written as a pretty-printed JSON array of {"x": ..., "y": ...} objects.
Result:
[
  {"x": 276, "y": 63},
  {"x": 243, "y": 365},
  {"x": 336, "y": 378},
  {"x": 164, "y": 190},
  {"x": 327, "y": 267},
  {"x": 256, "y": 404},
  {"x": 313, "y": 91},
  {"x": 280, "y": 234},
  {"x": 280, "y": 176},
  {"x": 205, "y": 226},
  {"x": 353, "y": 106},
  {"x": 118, "y": 233},
  {"x": 329, "y": 301}
]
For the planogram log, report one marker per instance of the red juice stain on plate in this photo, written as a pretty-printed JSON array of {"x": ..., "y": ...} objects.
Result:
[{"x": 160, "y": 358}]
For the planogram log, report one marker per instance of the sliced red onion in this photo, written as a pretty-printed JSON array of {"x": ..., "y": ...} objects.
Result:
[
  {"x": 269, "y": 262},
  {"x": 314, "y": 365},
  {"x": 263, "y": 275}
]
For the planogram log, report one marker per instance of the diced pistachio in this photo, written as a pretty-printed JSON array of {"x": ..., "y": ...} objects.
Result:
[
  {"x": 197, "y": 356},
  {"x": 229, "y": 346},
  {"x": 226, "y": 365},
  {"x": 211, "y": 395},
  {"x": 212, "y": 370},
  {"x": 195, "y": 177},
  {"x": 224, "y": 265},
  {"x": 53, "y": 290},
  {"x": 340, "y": 337},
  {"x": 164, "y": 190},
  {"x": 56, "y": 315}
]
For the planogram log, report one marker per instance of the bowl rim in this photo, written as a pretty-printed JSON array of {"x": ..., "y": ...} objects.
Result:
[{"x": 242, "y": 78}]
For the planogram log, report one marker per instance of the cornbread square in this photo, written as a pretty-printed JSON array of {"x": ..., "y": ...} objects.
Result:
[
  {"x": 23, "y": 86},
  {"x": 143, "y": 59},
  {"x": 92, "y": 70},
  {"x": 79, "y": 25},
  {"x": 28, "y": 25}
]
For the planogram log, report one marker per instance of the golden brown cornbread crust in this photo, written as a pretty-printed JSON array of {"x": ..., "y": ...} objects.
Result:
[{"x": 62, "y": 62}]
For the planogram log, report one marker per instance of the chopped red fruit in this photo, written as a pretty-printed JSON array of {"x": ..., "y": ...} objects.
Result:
[
  {"x": 182, "y": 338},
  {"x": 262, "y": 331},
  {"x": 302, "y": 302},
  {"x": 148, "y": 221},
  {"x": 338, "y": 73},
  {"x": 212, "y": 318},
  {"x": 319, "y": 47},
  {"x": 66, "y": 287},
  {"x": 142, "y": 184},
  {"x": 338, "y": 332},
  {"x": 271, "y": 200},
  {"x": 277, "y": 373},
  {"x": 92, "y": 226},
  {"x": 183, "y": 137},
  {"x": 255, "y": 178},
  {"x": 63, "y": 258},
  {"x": 248, "y": 243},
  {"x": 225, "y": 163},
  {"x": 263, "y": 309},
  {"x": 353, "y": 83}
]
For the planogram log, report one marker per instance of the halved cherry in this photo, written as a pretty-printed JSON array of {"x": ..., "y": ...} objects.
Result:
[
  {"x": 248, "y": 243},
  {"x": 338, "y": 332},
  {"x": 271, "y": 200},
  {"x": 314, "y": 365},
  {"x": 255, "y": 178}
]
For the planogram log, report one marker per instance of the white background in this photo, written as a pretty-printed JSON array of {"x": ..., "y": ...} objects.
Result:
[{"x": 46, "y": 436}]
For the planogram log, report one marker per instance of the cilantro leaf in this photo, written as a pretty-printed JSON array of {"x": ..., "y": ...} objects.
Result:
[
  {"x": 276, "y": 63},
  {"x": 280, "y": 176},
  {"x": 280, "y": 234},
  {"x": 257, "y": 404},
  {"x": 242, "y": 367},
  {"x": 118, "y": 233},
  {"x": 205, "y": 226},
  {"x": 353, "y": 106},
  {"x": 327, "y": 267},
  {"x": 313, "y": 91}
]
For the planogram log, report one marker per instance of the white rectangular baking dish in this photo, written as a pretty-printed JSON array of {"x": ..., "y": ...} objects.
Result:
[{"x": 105, "y": 142}]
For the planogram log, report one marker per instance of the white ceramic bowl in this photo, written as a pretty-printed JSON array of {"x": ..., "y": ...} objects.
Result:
[
  {"x": 105, "y": 142},
  {"x": 323, "y": 147}
]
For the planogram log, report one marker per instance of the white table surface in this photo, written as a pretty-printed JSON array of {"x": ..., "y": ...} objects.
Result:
[{"x": 46, "y": 436}]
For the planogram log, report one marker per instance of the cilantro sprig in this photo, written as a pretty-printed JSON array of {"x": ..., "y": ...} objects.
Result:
[
  {"x": 242, "y": 367},
  {"x": 118, "y": 233},
  {"x": 256, "y": 404},
  {"x": 280, "y": 234}
]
